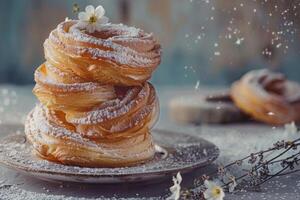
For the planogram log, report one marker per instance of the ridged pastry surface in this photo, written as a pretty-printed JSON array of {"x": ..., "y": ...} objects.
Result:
[{"x": 117, "y": 55}]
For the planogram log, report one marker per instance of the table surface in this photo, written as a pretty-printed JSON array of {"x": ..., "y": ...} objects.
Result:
[{"x": 234, "y": 141}]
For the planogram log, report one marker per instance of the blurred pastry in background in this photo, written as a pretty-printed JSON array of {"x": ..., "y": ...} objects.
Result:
[
  {"x": 268, "y": 97},
  {"x": 262, "y": 95}
]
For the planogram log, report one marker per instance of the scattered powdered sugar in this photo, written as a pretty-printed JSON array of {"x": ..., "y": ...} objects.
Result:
[{"x": 12, "y": 192}]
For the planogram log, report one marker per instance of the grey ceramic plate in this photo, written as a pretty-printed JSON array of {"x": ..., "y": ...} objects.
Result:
[{"x": 185, "y": 153}]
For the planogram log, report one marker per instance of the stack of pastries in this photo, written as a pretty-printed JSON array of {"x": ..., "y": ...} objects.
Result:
[{"x": 96, "y": 107}]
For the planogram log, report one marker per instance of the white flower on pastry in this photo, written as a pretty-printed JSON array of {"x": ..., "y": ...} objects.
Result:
[
  {"x": 92, "y": 19},
  {"x": 213, "y": 191}
]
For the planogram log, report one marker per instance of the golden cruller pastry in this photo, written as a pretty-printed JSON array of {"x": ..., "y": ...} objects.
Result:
[
  {"x": 268, "y": 97},
  {"x": 97, "y": 108},
  {"x": 117, "y": 55}
]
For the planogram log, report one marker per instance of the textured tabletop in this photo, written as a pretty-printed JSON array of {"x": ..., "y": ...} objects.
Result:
[{"x": 234, "y": 142}]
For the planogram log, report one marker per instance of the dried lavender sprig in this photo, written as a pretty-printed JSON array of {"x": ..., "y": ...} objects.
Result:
[{"x": 260, "y": 169}]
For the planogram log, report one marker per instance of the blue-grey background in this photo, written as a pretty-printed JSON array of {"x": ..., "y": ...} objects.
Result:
[{"x": 205, "y": 41}]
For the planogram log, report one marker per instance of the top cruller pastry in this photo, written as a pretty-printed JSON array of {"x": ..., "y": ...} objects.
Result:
[
  {"x": 114, "y": 54},
  {"x": 97, "y": 108}
]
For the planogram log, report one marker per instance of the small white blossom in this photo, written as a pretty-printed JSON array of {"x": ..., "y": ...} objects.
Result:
[
  {"x": 175, "y": 189},
  {"x": 92, "y": 19},
  {"x": 213, "y": 191}
]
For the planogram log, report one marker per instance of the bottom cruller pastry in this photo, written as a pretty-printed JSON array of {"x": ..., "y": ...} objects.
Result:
[{"x": 108, "y": 136}]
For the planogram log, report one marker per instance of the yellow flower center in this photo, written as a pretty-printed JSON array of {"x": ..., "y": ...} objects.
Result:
[
  {"x": 216, "y": 191},
  {"x": 93, "y": 19}
]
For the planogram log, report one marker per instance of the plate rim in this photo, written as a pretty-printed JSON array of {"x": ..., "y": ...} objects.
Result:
[{"x": 188, "y": 168}]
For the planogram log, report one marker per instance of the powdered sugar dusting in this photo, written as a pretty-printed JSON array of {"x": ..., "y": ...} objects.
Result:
[
  {"x": 87, "y": 86},
  {"x": 124, "y": 45}
]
